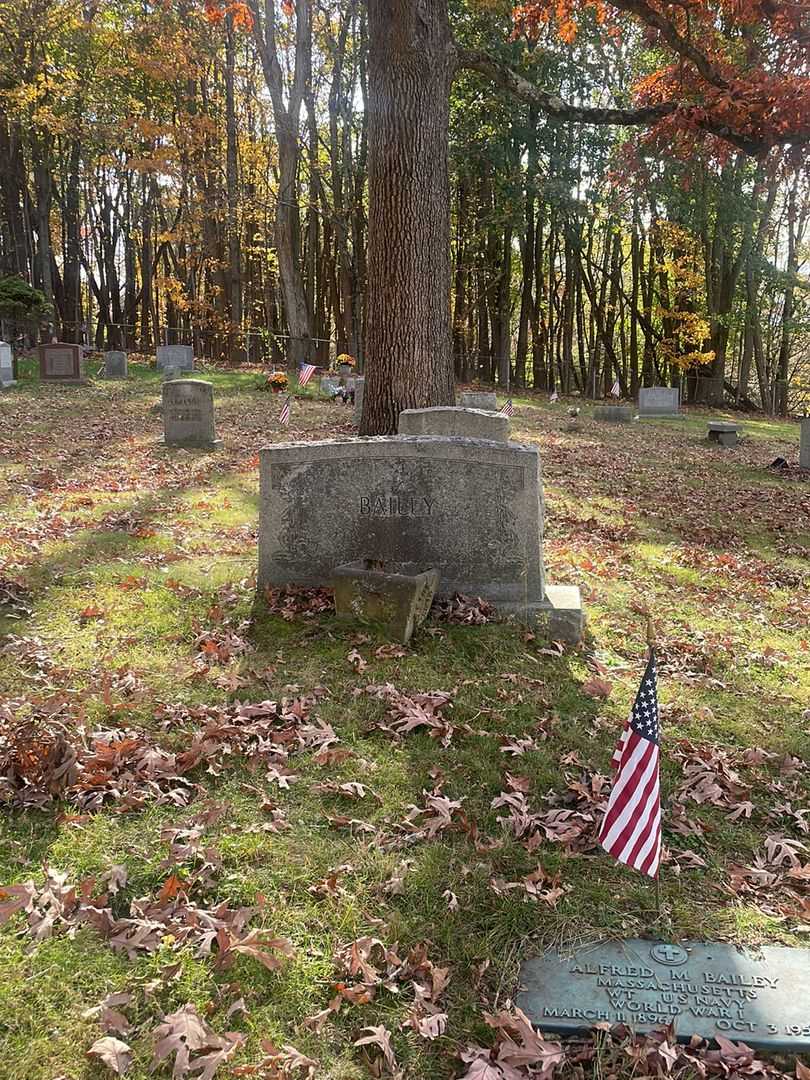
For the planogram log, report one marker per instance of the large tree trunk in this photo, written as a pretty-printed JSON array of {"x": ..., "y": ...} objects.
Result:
[{"x": 408, "y": 356}]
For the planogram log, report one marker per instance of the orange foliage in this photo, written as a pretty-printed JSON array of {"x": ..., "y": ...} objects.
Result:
[
  {"x": 216, "y": 10},
  {"x": 758, "y": 89}
]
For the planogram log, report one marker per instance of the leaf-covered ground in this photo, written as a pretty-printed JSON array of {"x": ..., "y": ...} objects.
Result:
[{"x": 239, "y": 838}]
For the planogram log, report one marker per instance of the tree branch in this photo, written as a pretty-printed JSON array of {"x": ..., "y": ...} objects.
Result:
[{"x": 508, "y": 79}]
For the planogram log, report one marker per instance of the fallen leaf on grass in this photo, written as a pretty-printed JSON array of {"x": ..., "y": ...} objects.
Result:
[
  {"x": 380, "y": 1037},
  {"x": 597, "y": 687},
  {"x": 113, "y": 1053}
]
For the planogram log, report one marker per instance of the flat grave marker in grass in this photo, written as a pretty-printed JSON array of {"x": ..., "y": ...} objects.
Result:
[
  {"x": 760, "y": 997},
  {"x": 188, "y": 414}
]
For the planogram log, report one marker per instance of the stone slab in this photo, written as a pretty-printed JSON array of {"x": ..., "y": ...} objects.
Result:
[
  {"x": 760, "y": 997},
  {"x": 115, "y": 364},
  {"x": 478, "y": 399},
  {"x": 471, "y": 508},
  {"x": 188, "y": 414},
  {"x": 329, "y": 384},
  {"x": 614, "y": 414},
  {"x": 560, "y": 615},
  {"x": 659, "y": 401},
  {"x": 359, "y": 390},
  {"x": 60, "y": 362},
  {"x": 804, "y": 443},
  {"x": 179, "y": 356},
  {"x": 6, "y": 365},
  {"x": 446, "y": 420}
]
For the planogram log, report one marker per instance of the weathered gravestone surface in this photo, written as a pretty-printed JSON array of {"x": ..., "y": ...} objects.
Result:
[
  {"x": 478, "y": 399},
  {"x": 446, "y": 420},
  {"x": 359, "y": 390},
  {"x": 614, "y": 414},
  {"x": 724, "y": 433},
  {"x": 115, "y": 364},
  {"x": 473, "y": 509},
  {"x": 6, "y": 365},
  {"x": 761, "y": 997},
  {"x": 177, "y": 356},
  {"x": 188, "y": 414},
  {"x": 172, "y": 371},
  {"x": 60, "y": 362},
  {"x": 659, "y": 401},
  {"x": 804, "y": 443},
  {"x": 329, "y": 384}
]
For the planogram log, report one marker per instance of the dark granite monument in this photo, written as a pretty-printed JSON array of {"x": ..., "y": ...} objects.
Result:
[
  {"x": 759, "y": 996},
  {"x": 60, "y": 362}
]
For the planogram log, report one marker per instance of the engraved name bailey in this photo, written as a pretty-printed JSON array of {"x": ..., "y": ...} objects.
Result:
[
  {"x": 396, "y": 506},
  {"x": 635, "y": 993},
  {"x": 706, "y": 988}
]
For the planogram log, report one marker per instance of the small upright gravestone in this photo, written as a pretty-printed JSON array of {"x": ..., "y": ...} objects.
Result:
[
  {"x": 177, "y": 356},
  {"x": 6, "y": 366},
  {"x": 60, "y": 362},
  {"x": 115, "y": 364},
  {"x": 445, "y": 420},
  {"x": 188, "y": 414},
  {"x": 478, "y": 399},
  {"x": 804, "y": 444},
  {"x": 659, "y": 401},
  {"x": 724, "y": 433}
]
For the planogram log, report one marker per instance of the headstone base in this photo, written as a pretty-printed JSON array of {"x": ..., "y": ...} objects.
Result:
[
  {"x": 560, "y": 616},
  {"x": 398, "y": 595},
  {"x": 187, "y": 444}
]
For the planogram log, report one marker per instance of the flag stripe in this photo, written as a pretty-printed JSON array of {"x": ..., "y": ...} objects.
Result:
[{"x": 631, "y": 827}]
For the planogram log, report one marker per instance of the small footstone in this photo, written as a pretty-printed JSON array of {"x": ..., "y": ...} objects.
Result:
[
  {"x": 446, "y": 420},
  {"x": 708, "y": 989},
  {"x": 397, "y": 595}
]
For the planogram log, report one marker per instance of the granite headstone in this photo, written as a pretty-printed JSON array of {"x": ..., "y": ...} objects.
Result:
[
  {"x": 723, "y": 432},
  {"x": 478, "y": 399},
  {"x": 659, "y": 401},
  {"x": 471, "y": 508},
  {"x": 446, "y": 420},
  {"x": 804, "y": 443},
  {"x": 115, "y": 364},
  {"x": 178, "y": 356},
  {"x": 60, "y": 362},
  {"x": 759, "y": 996},
  {"x": 6, "y": 365},
  {"x": 188, "y": 414}
]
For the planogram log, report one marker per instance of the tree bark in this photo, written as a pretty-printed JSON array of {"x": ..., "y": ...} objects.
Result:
[{"x": 408, "y": 359}]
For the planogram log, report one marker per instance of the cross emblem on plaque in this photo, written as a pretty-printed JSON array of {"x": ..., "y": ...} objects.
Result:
[{"x": 669, "y": 954}]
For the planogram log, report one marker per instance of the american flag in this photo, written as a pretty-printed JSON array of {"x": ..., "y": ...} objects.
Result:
[
  {"x": 631, "y": 830},
  {"x": 508, "y": 409},
  {"x": 284, "y": 415},
  {"x": 616, "y": 390},
  {"x": 305, "y": 373}
]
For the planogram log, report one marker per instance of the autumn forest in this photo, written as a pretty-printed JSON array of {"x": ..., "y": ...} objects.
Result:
[{"x": 179, "y": 172}]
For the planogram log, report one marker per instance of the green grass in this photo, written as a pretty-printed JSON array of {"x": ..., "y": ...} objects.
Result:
[{"x": 128, "y": 552}]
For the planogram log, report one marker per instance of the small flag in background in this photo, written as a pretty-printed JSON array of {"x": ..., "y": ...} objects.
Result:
[
  {"x": 554, "y": 397},
  {"x": 631, "y": 830},
  {"x": 305, "y": 373},
  {"x": 508, "y": 409},
  {"x": 284, "y": 415},
  {"x": 616, "y": 390}
]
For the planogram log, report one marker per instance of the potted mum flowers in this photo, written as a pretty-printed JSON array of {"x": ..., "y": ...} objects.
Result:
[
  {"x": 345, "y": 364},
  {"x": 277, "y": 381}
]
